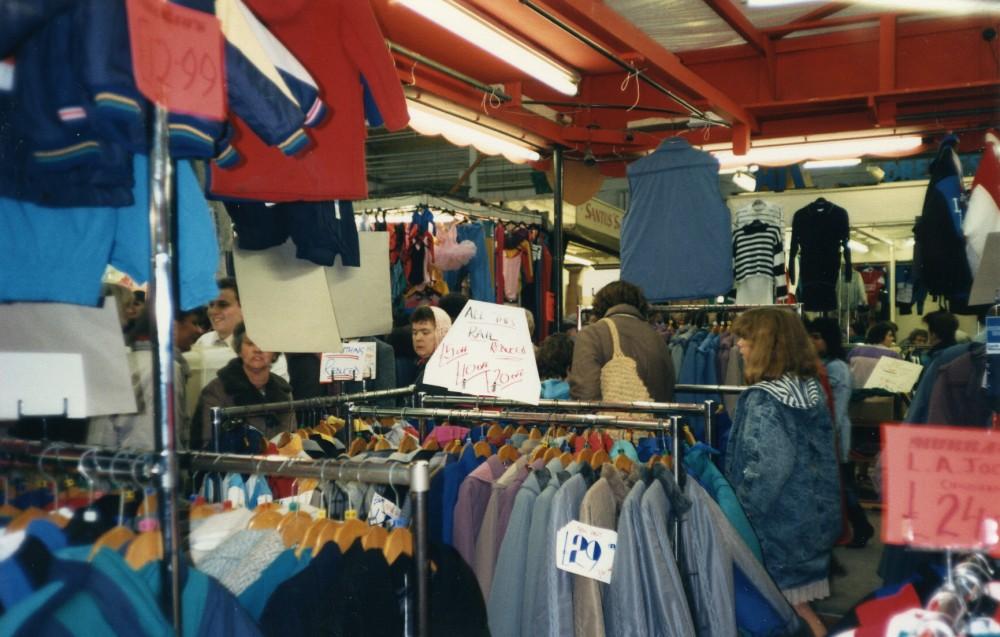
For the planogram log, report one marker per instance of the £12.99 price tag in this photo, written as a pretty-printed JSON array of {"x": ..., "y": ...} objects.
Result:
[
  {"x": 586, "y": 550},
  {"x": 177, "y": 57},
  {"x": 942, "y": 487}
]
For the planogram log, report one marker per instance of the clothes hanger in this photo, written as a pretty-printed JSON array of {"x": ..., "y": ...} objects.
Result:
[
  {"x": 352, "y": 528},
  {"x": 495, "y": 431},
  {"x": 400, "y": 539},
  {"x": 599, "y": 458},
  {"x": 508, "y": 454},
  {"x": 267, "y": 515},
  {"x": 482, "y": 449},
  {"x": 553, "y": 452},
  {"x": 431, "y": 444},
  {"x": 148, "y": 545},
  {"x": 293, "y": 525},
  {"x": 119, "y": 535},
  {"x": 408, "y": 444},
  {"x": 585, "y": 454},
  {"x": 7, "y": 510},
  {"x": 624, "y": 464},
  {"x": 24, "y": 518}
]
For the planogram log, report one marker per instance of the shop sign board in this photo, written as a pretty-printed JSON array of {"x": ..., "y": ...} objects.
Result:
[
  {"x": 356, "y": 362},
  {"x": 942, "y": 487},
  {"x": 602, "y": 218}
]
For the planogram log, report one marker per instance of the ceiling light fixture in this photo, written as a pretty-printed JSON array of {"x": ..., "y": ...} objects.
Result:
[
  {"x": 428, "y": 120},
  {"x": 832, "y": 163},
  {"x": 470, "y": 26},
  {"x": 953, "y": 7},
  {"x": 788, "y": 154},
  {"x": 857, "y": 246}
]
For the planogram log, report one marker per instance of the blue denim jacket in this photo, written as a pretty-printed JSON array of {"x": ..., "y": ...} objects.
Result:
[{"x": 782, "y": 465}]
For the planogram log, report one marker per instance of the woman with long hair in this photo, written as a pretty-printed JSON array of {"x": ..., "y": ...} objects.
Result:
[{"x": 781, "y": 459}]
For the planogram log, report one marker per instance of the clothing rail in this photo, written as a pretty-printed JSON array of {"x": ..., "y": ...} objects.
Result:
[
  {"x": 711, "y": 389},
  {"x": 723, "y": 307},
  {"x": 145, "y": 466},
  {"x": 662, "y": 426},
  {"x": 703, "y": 409},
  {"x": 966, "y": 584},
  {"x": 219, "y": 414}
]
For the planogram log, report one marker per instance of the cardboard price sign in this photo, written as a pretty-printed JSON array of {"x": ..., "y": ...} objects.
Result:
[
  {"x": 943, "y": 487},
  {"x": 177, "y": 57}
]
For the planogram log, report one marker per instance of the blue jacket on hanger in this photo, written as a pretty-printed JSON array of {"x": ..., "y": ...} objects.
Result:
[{"x": 677, "y": 225}]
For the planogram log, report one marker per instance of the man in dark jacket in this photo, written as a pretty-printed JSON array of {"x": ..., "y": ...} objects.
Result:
[{"x": 625, "y": 304}]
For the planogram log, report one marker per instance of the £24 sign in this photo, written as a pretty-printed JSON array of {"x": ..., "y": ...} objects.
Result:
[{"x": 177, "y": 57}]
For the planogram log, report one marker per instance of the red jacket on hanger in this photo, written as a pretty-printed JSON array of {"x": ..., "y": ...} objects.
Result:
[{"x": 338, "y": 41}]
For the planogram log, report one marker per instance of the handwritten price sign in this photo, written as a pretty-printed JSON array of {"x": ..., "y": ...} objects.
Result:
[
  {"x": 943, "y": 487},
  {"x": 177, "y": 57},
  {"x": 487, "y": 352}
]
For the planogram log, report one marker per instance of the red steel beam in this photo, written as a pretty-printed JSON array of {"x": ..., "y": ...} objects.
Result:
[
  {"x": 738, "y": 22},
  {"x": 792, "y": 27},
  {"x": 602, "y": 23}
]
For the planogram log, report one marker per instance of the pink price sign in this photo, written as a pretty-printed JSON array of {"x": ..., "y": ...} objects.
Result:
[
  {"x": 942, "y": 487},
  {"x": 177, "y": 57}
]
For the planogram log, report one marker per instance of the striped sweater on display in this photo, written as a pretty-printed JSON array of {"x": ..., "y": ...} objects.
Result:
[{"x": 758, "y": 250}]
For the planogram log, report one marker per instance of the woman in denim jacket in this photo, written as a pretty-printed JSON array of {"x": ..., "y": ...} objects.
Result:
[{"x": 781, "y": 458}]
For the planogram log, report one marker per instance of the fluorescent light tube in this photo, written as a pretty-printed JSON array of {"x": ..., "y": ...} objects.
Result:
[
  {"x": 857, "y": 246},
  {"x": 431, "y": 121},
  {"x": 787, "y": 154},
  {"x": 572, "y": 258},
  {"x": 831, "y": 163},
  {"x": 486, "y": 36}
]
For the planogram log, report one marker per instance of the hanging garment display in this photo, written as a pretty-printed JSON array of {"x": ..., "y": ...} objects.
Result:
[
  {"x": 676, "y": 223},
  {"x": 942, "y": 264},
  {"x": 759, "y": 263},
  {"x": 321, "y": 230},
  {"x": 983, "y": 214},
  {"x": 340, "y": 44},
  {"x": 819, "y": 231}
]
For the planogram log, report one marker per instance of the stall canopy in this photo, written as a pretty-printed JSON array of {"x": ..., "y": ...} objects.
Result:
[{"x": 620, "y": 75}]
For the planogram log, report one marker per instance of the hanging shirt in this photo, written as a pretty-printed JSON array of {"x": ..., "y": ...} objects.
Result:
[
  {"x": 875, "y": 281},
  {"x": 819, "y": 230},
  {"x": 676, "y": 186},
  {"x": 759, "y": 254}
]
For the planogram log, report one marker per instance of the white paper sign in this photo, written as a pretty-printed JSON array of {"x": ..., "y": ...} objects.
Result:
[
  {"x": 340, "y": 367},
  {"x": 362, "y": 296},
  {"x": 38, "y": 384},
  {"x": 586, "y": 550},
  {"x": 895, "y": 375},
  {"x": 383, "y": 512},
  {"x": 487, "y": 352},
  {"x": 285, "y": 301},
  {"x": 60, "y": 328},
  {"x": 365, "y": 352}
]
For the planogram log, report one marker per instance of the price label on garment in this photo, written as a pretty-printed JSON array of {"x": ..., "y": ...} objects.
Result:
[
  {"x": 942, "y": 487},
  {"x": 340, "y": 367},
  {"x": 177, "y": 57},
  {"x": 383, "y": 512},
  {"x": 586, "y": 550}
]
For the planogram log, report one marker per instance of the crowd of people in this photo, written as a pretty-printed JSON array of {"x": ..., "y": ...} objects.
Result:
[{"x": 787, "y": 456}]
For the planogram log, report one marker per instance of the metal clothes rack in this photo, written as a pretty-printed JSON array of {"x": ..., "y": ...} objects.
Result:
[
  {"x": 145, "y": 466},
  {"x": 950, "y": 605},
  {"x": 221, "y": 414},
  {"x": 711, "y": 389},
  {"x": 662, "y": 426},
  {"x": 694, "y": 307},
  {"x": 593, "y": 406}
]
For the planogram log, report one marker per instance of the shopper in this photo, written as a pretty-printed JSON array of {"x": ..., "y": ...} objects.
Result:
[
  {"x": 555, "y": 355},
  {"x": 245, "y": 380},
  {"x": 780, "y": 458},
  {"x": 625, "y": 305},
  {"x": 862, "y": 359},
  {"x": 942, "y": 327},
  {"x": 188, "y": 328},
  {"x": 453, "y": 303},
  {"x": 225, "y": 313},
  {"x": 429, "y": 325},
  {"x": 825, "y": 334}
]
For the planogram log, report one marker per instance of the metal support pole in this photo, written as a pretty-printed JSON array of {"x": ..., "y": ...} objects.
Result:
[
  {"x": 557, "y": 234},
  {"x": 892, "y": 282},
  {"x": 709, "y": 426},
  {"x": 161, "y": 333},
  {"x": 675, "y": 442},
  {"x": 419, "y": 486},
  {"x": 349, "y": 423},
  {"x": 216, "y": 429},
  {"x": 422, "y": 424}
]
